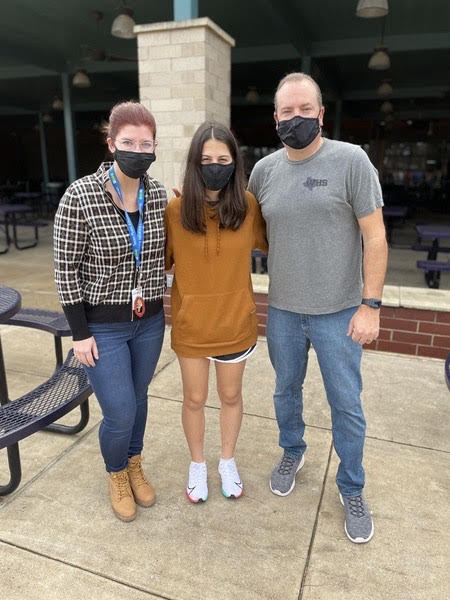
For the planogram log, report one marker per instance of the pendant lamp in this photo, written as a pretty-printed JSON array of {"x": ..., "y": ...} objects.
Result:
[
  {"x": 123, "y": 24},
  {"x": 370, "y": 9},
  {"x": 380, "y": 61}
]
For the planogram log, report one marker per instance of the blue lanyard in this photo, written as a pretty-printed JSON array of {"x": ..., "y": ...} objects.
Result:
[{"x": 136, "y": 235}]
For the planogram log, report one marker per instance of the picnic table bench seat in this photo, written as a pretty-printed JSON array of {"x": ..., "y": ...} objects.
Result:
[
  {"x": 36, "y": 225},
  {"x": 433, "y": 269},
  {"x": 447, "y": 371},
  {"x": 66, "y": 389},
  {"x": 45, "y": 320}
]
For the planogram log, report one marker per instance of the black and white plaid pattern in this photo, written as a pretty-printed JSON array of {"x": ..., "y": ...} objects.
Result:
[{"x": 93, "y": 255}]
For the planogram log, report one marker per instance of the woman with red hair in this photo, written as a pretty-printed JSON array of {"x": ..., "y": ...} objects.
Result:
[{"x": 109, "y": 272}]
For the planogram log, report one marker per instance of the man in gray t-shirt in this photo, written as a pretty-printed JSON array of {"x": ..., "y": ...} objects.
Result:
[{"x": 321, "y": 199}]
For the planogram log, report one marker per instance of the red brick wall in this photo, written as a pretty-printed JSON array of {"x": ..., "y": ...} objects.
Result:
[
  {"x": 411, "y": 331},
  {"x": 403, "y": 330}
]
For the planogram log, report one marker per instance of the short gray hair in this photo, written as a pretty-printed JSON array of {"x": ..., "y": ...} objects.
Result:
[{"x": 298, "y": 77}]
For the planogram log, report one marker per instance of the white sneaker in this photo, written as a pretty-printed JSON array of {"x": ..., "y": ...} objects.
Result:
[
  {"x": 197, "y": 486},
  {"x": 232, "y": 486}
]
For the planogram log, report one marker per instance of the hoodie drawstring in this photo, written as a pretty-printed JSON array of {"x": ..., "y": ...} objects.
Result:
[{"x": 205, "y": 241}]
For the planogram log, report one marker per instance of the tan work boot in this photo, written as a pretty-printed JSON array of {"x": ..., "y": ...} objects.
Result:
[
  {"x": 143, "y": 491},
  {"x": 122, "y": 500}
]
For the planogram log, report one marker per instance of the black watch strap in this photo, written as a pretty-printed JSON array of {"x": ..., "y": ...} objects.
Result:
[{"x": 372, "y": 302}]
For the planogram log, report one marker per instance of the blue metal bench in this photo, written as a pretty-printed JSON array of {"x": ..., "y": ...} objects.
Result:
[
  {"x": 433, "y": 269},
  {"x": 447, "y": 371},
  {"x": 66, "y": 389},
  {"x": 36, "y": 225}
]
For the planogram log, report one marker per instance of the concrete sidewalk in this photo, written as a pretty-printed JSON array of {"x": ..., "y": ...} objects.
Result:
[{"x": 60, "y": 540}]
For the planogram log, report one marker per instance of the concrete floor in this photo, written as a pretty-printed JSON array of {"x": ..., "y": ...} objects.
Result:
[{"x": 59, "y": 538}]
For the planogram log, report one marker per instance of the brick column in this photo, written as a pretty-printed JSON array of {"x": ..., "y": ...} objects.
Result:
[{"x": 184, "y": 79}]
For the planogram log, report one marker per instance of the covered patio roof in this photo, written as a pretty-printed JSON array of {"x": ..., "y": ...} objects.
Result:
[{"x": 41, "y": 40}]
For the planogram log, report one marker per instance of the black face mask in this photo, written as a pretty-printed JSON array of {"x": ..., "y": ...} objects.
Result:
[
  {"x": 216, "y": 176},
  {"x": 133, "y": 164},
  {"x": 298, "y": 132}
]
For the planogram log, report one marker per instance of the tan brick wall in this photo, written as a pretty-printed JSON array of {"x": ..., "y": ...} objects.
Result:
[{"x": 184, "y": 79}]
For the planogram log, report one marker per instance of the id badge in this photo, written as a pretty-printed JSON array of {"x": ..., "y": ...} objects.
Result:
[{"x": 138, "y": 301}]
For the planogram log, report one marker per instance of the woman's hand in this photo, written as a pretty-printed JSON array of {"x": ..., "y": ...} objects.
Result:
[{"x": 86, "y": 351}]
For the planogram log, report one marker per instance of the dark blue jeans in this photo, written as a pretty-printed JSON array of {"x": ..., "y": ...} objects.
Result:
[
  {"x": 128, "y": 353},
  {"x": 289, "y": 336}
]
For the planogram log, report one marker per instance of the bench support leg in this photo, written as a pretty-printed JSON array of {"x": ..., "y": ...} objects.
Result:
[
  {"x": 16, "y": 239},
  {"x": 71, "y": 429},
  {"x": 58, "y": 352},
  {"x": 432, "y": 279},
  {"x": 14, "y": 469}
]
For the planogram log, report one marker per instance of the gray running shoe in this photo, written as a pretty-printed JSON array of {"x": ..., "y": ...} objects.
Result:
[
  {"x": 282, "y": 480},
  {"x": 358, "y": 523}
]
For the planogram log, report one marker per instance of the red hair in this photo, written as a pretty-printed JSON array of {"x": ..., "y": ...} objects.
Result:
[{"x": 129, "y": 113}]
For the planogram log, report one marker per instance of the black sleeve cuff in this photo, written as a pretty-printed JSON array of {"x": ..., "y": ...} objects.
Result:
[{"x": 76, "y": 317}]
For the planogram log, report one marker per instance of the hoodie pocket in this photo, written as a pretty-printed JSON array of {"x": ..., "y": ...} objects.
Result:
[{"x": 209, "y": 319}]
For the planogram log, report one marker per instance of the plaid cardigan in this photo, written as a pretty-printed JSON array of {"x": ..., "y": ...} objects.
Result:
[{"x": 94, "y": 263}]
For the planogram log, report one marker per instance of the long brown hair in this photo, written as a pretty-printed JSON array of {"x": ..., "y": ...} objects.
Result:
[{"x": 232, "y": 205}]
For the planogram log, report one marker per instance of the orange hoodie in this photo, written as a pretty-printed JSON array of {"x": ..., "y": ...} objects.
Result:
[{"x": 212, "y": 307}]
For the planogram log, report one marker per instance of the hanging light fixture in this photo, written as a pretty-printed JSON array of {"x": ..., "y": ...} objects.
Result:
[
  {"x": 57, "y": 104},
  {"x": 81, "y": 79},
  {"x": 46, "y": 118},
  {"x": 385, "y": 88},
  {"x": 370, "y": 9},
  {"x": 380, "y": 61},
  {"x": 252, "y": 95},
  {"x": 386, "y": 107},
  {"x": 123, "y": 24}
]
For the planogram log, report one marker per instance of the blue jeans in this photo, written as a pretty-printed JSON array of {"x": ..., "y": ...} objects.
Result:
[
  {"x": 289, "y": 337},
  {"x": 128, "y": 353}
]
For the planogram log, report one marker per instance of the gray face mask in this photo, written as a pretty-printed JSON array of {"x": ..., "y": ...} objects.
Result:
[
  {"x": 298, "y": 132},
  {"x": 133, "y": 164}
]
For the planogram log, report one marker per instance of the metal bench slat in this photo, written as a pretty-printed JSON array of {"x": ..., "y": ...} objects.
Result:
[
  {"x": 66, "y": 389},
  {"x": 433, "y": 265},
  {"x": 45, "y": 320}
]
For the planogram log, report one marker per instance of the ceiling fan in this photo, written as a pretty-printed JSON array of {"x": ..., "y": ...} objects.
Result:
[{"x": 99, "y": 54}]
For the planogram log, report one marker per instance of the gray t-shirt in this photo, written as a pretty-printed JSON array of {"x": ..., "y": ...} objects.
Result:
[{"x": 311, "y": 209}]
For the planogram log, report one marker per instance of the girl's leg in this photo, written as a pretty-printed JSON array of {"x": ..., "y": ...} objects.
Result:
[
  {"x": 229, "y": 388},
  {"x": 194, "y": 373}
]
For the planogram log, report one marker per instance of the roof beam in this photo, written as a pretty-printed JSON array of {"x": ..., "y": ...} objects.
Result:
[
  {"x": 403, "y": 115},
  {"x": 437, "y": 91},
  {"x": 24, "y": 72},
  {"x": 347, "y": 47},
  {"x": 6, "y": 110},
  {"x": 254, "y": 54},
  {"x": 395, "y": 43},
  {"x": 399, "y": 93},
  {"x": 29, "y": 71},
  {"x": 27, "y": 55}
]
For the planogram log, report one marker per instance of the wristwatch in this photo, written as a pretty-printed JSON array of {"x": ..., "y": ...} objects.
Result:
[{"x": 372, "y": 302}]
